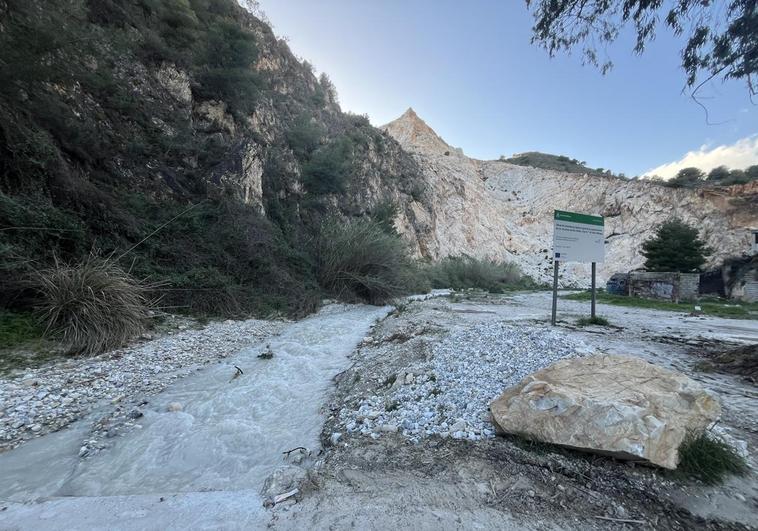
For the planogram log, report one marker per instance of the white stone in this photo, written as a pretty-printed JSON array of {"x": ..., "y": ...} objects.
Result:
[
  {"x": 610, "y": 404},
  {"x": 459, "y": 425}
]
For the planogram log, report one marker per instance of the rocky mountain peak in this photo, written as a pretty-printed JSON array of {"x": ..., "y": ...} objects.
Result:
[
  {"x": 414, "y": 134},
  {"x": 495, "y": 209}
]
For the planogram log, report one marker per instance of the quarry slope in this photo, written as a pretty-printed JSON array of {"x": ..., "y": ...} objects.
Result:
[{"x": 499, "y": 210}]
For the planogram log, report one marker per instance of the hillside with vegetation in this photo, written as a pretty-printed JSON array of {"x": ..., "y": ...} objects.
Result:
[
  {"x": 184, "y": 142},
  {"x": 546, "y": 161}
]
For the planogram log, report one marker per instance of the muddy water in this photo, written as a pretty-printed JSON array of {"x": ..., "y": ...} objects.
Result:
[{"x": 230, "y": 433}]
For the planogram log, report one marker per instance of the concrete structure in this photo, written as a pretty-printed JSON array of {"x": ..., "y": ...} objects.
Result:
[
  {"x": 618, "y": 284},
  {"x": 666, "y": 286},
  {"x": 741, "y": 279}
]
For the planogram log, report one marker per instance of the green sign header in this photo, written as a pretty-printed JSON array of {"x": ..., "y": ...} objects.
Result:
[{"x": 579, "y": 218}]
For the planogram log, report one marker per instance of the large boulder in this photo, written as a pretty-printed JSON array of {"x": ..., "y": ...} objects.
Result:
[{"x": 617, "y": 405}]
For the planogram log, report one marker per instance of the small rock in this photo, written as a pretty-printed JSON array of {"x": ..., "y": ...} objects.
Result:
[
  {"x": 459, "y": 425},
  {"x": 282, "y": 480},
  {"x": 174, "y": 407},
  {"x": 334, "y": 439}
]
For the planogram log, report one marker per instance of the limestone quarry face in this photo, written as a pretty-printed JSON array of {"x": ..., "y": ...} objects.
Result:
[
  {"x": 493, "y": 209},
  {"x": 617, "y": 405}
]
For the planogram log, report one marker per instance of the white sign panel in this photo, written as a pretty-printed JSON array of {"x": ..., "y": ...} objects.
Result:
[{"x": 578, "y": 237}]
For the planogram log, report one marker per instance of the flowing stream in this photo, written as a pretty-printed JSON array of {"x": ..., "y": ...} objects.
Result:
[{"x": 230, "y": 434}]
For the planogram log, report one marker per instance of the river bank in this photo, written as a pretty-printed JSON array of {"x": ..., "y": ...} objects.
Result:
[
  {"x": 354, "y": 386},
  {"x": 119, "y": 383}
]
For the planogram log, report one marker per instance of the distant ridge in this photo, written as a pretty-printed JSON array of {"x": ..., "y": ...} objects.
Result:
[{"x": 546, "y": 161}]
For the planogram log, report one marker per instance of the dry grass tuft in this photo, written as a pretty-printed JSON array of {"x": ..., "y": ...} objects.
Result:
[{"x": 91, "y": 306}]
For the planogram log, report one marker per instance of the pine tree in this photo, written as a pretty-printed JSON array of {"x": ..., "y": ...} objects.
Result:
[{"x": 676, "y": 246}]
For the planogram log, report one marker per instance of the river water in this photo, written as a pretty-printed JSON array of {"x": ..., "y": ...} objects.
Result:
[{"x": 229, "y": 435}]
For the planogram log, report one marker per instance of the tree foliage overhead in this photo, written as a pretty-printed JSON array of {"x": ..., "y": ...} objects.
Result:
[
  {"x": 676, "y": 246},
  {"x": 721, "y": 36}
]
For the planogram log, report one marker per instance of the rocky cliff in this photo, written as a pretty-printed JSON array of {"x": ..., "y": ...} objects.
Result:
[
  {"x": 498, "y": 210},
  {"x": 187, "y": 133},
  {"x": 184, "y": 138}
]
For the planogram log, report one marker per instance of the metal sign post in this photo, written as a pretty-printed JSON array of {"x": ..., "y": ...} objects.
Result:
[
  {"x": 555, "y": 291},
  {"x": 594, "y": 269},
  {"x": 577, "y": 238}
]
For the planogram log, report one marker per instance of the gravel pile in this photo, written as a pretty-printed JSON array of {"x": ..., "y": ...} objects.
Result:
[
  {"x": 49, "y": 398},
  {"x": 450, "y": 395}
]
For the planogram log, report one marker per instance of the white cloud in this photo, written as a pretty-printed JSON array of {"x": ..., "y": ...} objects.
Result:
[{"x": 739, "y": 155}]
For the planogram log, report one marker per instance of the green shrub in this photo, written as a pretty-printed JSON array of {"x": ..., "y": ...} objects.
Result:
[
  {"x": 466, "y": 272},
  {"x": 709, "y": 458},
  {"x": 384, "y": 214},
  {"x": 304, "y": 137},
  {"x": 597, "y": 320},
  {"x": 238, "y": 87},
  {"x": 17, "y": 328},
  {"x": 91, "y": 306},
  {"x": 358, "y": 260},
  {"x": 227, "y": 61},
  {"x": 223, "y": 258},
  {"x": 328, "y": 169}
]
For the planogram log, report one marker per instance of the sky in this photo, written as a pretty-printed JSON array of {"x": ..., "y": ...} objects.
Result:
[{"x": 470, "y": 71}]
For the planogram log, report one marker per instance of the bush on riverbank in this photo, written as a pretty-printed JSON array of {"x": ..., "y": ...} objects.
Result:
[
  {"x": 466, "y": 272},
  {"x": 91, "y": 306},
  {"x": 357, "y": 260}
]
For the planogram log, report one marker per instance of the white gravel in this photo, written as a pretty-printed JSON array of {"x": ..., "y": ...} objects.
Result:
[
  {"x": 118, "y": 382},
  {"x": 450, "y": 394}
]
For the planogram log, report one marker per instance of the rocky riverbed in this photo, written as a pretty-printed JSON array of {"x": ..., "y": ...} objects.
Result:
[
  {"x": 467, "y": 370},
  {"x": 393, "y": 456},
  {"x": 398, "y": 459},
  {"x": 116, "y": 384}
]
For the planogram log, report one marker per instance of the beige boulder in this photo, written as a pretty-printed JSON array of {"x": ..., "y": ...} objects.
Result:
[{"x": 617, "y": 405}]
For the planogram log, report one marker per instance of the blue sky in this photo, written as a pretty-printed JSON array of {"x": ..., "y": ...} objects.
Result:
[{"x": 471, "y": 73}]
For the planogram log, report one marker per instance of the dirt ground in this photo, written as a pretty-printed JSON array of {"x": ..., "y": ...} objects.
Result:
[{"x": 506, "y": 483}]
